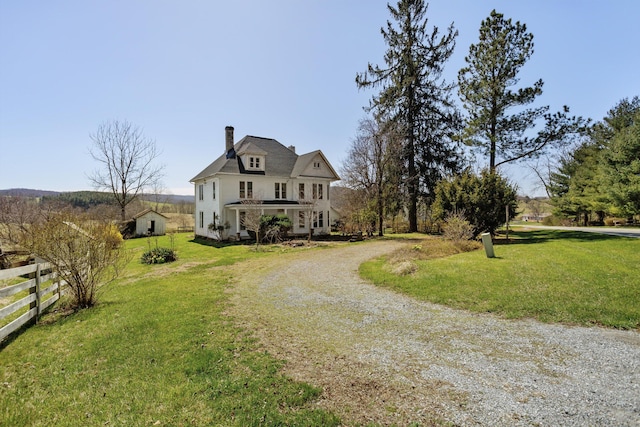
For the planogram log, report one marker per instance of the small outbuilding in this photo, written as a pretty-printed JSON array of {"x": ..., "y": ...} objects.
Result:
[{"x": 150, "y": 223}]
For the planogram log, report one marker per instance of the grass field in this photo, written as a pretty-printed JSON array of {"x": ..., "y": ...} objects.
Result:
[
  {"x": 553, "y": 276},
  {"x": 159, "y": 349},
  {"x": 156, "y": 350}
]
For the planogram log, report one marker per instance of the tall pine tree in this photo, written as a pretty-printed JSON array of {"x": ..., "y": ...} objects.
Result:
[
  {"x": 415, "y": 100},
  {"x": 485, "y": 87}
]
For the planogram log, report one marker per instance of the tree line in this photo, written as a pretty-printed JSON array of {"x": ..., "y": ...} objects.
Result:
[
  {"x": 600, "y": 175},
  {"x": 416, "y": 150}
]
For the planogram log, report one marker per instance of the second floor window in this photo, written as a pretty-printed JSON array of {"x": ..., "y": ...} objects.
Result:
[
  {"x": 214, "y": 190},
  {"x": 246, "y": 189},
  {"x": 317, "y": 191},
  {"x": 200, "y": 192},
  {"x": 281, "y": 190},
  {"x": 301, "y": 191}
]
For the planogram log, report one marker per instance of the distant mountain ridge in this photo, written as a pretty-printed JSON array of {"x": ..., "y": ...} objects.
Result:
[{"x": 29, "y": 192}]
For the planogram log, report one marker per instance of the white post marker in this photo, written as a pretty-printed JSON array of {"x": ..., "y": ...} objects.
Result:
[{"x": 488, "y": 245}]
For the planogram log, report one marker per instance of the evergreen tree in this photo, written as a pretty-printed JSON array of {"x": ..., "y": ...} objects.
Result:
[
  {"x": 601, "y": 174},
  {"x": 480, "y": 199},
  {"x": 575, "y": 186},
  {"x": 485, "y": 87},
  {"x": 415, "y": 100},
  {"x": 621, "y": 162}
]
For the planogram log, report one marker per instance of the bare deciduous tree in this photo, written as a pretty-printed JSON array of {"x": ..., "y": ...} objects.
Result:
[
  {"x": 370, "y": 165},
  {"x": 250, "y": 220},
  {"x": 84, "y": 252},
  {"x": 308, "y": 205},
  {"x": 127, "y": 161}
]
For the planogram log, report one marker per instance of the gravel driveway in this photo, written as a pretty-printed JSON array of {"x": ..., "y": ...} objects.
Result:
[{"x": 386, "y": 358}]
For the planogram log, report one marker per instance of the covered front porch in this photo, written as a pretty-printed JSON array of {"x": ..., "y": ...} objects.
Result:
[{"x": 302, "y": 216}]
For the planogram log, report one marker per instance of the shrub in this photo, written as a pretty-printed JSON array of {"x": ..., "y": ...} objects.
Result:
[
  {"x": 158, "y": 256},
  {"x": 457, "y": 228},
  {"x": 481, "y": 198},
  {"x": 86, "y": 253},
  {"x": 614, "y": 221},
  {"x": 555, "y": 220},
  {"x": 274, "y": 228}
]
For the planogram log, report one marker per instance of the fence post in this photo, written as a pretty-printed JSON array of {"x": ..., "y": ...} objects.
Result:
[{"x": 36, "y": 289}]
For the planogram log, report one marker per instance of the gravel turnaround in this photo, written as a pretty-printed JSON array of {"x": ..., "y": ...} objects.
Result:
[{"x": 386, "y": 358}]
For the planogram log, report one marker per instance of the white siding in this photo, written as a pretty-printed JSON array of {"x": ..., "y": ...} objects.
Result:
[
  {"x": 228, "y": 191},
  {"x": 143, "y": 224}
]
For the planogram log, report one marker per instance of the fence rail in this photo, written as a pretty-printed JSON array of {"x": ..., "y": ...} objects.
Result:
[{"x": 35, "y": 299}]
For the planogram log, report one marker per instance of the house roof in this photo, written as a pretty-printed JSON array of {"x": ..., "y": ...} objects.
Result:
[
  {"x": 146, "y": 211},
  {"x": 280, "y": 160},
  {"x": 305, "y": 160}
]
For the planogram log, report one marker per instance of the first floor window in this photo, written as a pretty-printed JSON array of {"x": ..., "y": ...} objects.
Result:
[
  {"x": 243, "y": 217},
  {"x": 301, "y": 223},
  {"x": 315, "y": 219},
  {"x": 201, "y": 219},
  {"x": 320, "y": 219}
]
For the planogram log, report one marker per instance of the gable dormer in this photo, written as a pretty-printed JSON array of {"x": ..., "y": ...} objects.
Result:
[
  {"x": 253, "y": 158},
  {"x": 314, "y": 165}
]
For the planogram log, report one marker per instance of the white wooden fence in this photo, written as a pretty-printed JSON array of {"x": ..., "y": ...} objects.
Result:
[{"x": 35, "y": 299}]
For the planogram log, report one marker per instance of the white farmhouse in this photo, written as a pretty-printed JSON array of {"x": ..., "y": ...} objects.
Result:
[{"x": 272, "y": 175}]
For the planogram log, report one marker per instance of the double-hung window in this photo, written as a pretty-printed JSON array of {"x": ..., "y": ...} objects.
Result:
[
  {"x": 301, "y": 191},
  {"x": 214, "y": 190},
  {"x": 281, "y": 190},
  {"x": 246, "y": 189},
  {"x": 201, "y": 192},
  {"x": 254, "y": 163}
]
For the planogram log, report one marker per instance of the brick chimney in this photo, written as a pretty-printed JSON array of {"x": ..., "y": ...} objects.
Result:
[
  {"x": 228, "y": 139},
  {"x": 292, "y": 148}
]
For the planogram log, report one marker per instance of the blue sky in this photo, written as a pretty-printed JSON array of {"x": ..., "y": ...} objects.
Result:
[{"x": 284, "y": 69}]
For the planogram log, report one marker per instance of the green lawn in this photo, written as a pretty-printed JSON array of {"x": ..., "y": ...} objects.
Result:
[
  {"x": 156, "y": 350},
  {"x": 553, "y": 276}
]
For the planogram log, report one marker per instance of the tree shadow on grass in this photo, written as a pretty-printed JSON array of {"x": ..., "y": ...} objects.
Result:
[
  {"x": 540, "y": 236},
  {"x": 218, "y": 244}
]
